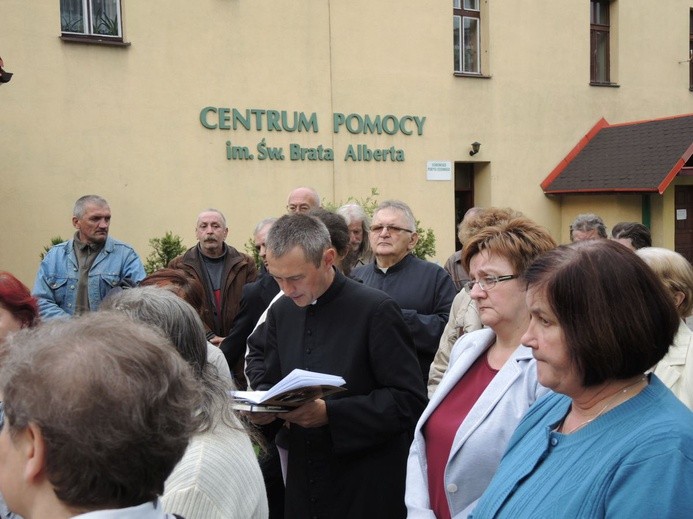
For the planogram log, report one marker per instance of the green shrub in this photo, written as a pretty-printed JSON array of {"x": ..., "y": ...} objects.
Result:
[
  {"x": 55, "y": 240},
  {"x": 426, "y": 246},
  {"x": 251, "y": 251},
  {"x": 165, "y": 249}
]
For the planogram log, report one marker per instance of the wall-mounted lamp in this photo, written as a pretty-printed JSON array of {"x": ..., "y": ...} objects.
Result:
[
  {"x": 475, "y": 148},
  {"x": 4, "y": 75}
]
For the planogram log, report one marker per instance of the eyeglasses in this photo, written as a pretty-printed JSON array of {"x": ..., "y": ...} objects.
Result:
[
  {"x": 2, "y": 415},
  {"x": 393, "y": 229},
  {"x": 302, "y": 208},
  {"x": 487, "y": 283}
]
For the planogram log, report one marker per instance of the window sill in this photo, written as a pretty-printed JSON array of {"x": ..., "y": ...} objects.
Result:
[
  {"x": 598, "y": 84},
  {"x": 95, "y": 40},
  {"x": 467, "y": 74}
]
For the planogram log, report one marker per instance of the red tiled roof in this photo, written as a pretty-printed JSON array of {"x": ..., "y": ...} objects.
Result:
[{"x": 643, "y": 156}]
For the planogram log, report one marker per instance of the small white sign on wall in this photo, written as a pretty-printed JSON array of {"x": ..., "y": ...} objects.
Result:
[
  {"x": 681, "y": 214},
  {"x": 439, "y": 170}
]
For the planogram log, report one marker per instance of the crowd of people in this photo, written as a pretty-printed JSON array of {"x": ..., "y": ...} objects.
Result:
[{"x": 524, "y": 379}]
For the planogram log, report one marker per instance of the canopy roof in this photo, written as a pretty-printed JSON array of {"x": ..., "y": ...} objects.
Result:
[{"x": 643, "y": 156}]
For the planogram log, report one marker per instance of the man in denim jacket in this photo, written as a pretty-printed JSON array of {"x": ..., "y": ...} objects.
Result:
[{"x": 76, "y": 275}]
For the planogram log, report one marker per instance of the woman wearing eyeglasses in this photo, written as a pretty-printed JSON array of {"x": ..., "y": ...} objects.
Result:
[
  {"x": 609, "y": 441},
  {"x": 490, "y": 383}
]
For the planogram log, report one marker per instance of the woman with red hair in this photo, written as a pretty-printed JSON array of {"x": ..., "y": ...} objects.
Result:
[{"x": 18, "y": 308}]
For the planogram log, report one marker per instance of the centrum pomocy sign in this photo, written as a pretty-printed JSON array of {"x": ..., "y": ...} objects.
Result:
[{"x": 261, "y": 120}]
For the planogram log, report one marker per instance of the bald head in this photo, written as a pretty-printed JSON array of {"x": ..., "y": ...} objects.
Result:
[{"x": 302, "y": 200}]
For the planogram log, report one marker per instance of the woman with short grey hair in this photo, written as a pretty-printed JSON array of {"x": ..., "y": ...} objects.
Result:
[{"x": 219, "y": 476}]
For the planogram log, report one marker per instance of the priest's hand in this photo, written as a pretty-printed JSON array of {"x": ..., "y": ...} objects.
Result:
[
  {"x": 312, "y": 414},
  {"x": 260, "y": 418}
]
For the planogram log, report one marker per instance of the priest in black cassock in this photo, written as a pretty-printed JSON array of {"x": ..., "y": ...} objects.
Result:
[{"x": 347, "y": 453}]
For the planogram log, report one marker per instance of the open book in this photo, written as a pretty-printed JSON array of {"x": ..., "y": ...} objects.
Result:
[{"x": 295, "y": 389}]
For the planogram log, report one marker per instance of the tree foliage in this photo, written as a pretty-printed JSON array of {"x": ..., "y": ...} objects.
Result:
[
  {"x": 165, "y": 249},
  {"x": 251, "y": 251},
  {"x": 55, "y": 240}
]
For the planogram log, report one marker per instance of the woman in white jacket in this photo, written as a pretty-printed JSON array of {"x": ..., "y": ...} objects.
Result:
[
  {"x": 676, "y": 368},
  {"x": 219, "y": 476},
  {"x": 490, "y": 381}
]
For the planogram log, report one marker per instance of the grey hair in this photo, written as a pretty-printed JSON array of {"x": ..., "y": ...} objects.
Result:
[
  {"x": 588, "y": 222},
  {"x": 401, "y": 207},
  {"x": 299, "y": 230},
  {"x": 263, "y": 223},
  {"x": 212, "y": 210},
  {"x": 355, "y": 213},
  {"x": 81, "y": 204},
  {"x": 98, "y": 386},
  {"x": 181, "y": 324}
]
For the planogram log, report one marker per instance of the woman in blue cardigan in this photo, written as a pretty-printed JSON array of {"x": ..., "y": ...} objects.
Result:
[
  {"x": 611, "y": 441},
  {"x": 490, "y": 382}
]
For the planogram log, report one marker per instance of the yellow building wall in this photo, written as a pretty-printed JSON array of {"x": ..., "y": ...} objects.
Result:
[
  {"x": 611, "y": 208},
  {"x": 123, "y": 122}
]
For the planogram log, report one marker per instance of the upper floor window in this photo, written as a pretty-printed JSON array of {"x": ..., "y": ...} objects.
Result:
[
  {"x": 91, "y": 18},
  {"x": 600, "y": 33},
  {"x": 467, "y": 36}
]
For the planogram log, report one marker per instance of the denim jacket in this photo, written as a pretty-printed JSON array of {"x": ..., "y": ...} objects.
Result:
[{"x": 56, "y": 282}]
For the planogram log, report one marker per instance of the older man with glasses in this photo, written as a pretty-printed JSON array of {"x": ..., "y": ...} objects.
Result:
[
  {"x": 423, "y": 290},
  {"x": 302, "y": 200}
]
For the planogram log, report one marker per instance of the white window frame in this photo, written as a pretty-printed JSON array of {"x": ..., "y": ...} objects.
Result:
[
  {"x": 88, "y": 24},
  {"x": 460, "y": 61}
]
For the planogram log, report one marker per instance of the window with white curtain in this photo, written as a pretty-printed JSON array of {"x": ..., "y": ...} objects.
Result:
[{"x": 99, "y": 18}]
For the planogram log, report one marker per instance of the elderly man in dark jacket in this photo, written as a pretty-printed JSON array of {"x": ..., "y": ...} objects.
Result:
[{"x": 422, "y": 289}]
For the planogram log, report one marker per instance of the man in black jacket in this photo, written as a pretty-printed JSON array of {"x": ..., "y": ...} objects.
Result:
[
  {"x": 422, "y": 289},
  {"x": 347, "y": 452},
  {"x": 256, "y": 298}
]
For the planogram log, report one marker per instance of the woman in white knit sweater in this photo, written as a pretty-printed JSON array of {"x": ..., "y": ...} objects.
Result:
[
  {"x": 219, "y": 476},
  {"x": 676, "y": 368}
]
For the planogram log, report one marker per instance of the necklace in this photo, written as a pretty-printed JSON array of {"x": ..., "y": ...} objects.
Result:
[{"x": 606, "y": 406}]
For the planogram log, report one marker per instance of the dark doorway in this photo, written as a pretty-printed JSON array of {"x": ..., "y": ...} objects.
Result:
[
  {"x": 683, "y": 238},
  {"x": 464, "y": 193}
]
